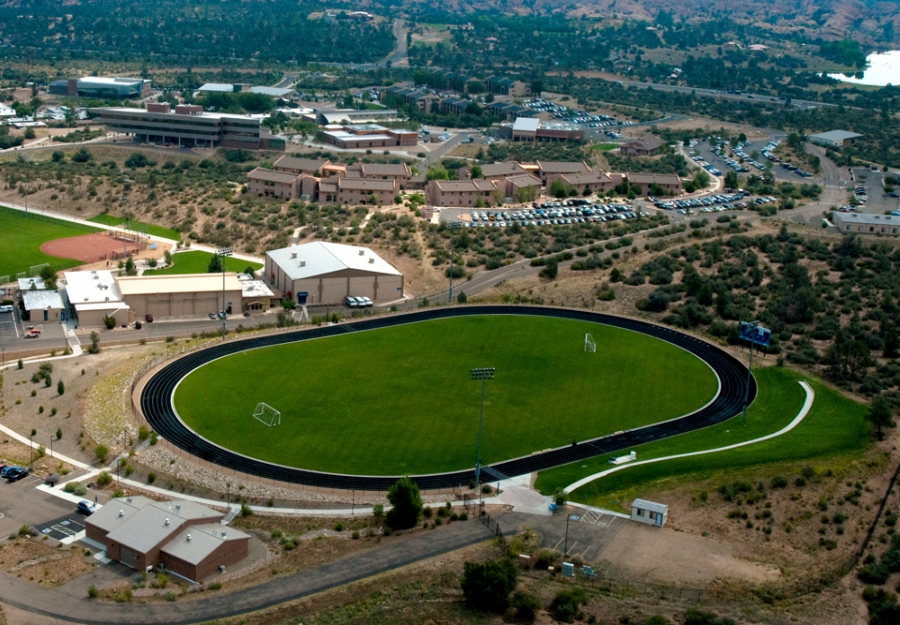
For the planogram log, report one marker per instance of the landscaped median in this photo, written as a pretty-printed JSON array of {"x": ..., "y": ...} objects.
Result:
[{"x": 835, "y": 426}]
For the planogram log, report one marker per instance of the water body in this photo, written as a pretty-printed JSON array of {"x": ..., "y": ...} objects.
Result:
[{"x": 883, "y": 69}]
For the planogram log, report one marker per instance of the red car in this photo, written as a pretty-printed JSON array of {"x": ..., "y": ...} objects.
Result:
[
  {"x": 148, "y": 318},
  {"x": 33, "y": 334}
]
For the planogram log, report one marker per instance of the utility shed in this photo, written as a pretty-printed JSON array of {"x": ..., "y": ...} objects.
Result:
[{"x": 649, "y": 512}]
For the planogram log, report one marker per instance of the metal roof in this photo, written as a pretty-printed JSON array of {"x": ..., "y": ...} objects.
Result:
[
  {"x": 25, "y": 284},
  {"x": 154, "y": 522},
  {"x": 91, "y": 287},
  {"x": 275, "y": 92},
  {"x": 526, "y": 124},
  {"x": 562, "y": 167},
  {"x": 654, "y": 178},
  {"x": 217, "y": 87},
  {"x": 835, "y": 135},
  {"x": 203, "y": 542},
  {"x": 508, "y": 168},
  {"x": 39, "y": 300},
  {"x": 261, "y": 173},
  {"x": 867, "y": 219},
  {"x": 320, "y": 258},
  {"x": 185, "y": 283},
  {"x": 652, "y": 506},
  {"x": 116, "y": 512}
]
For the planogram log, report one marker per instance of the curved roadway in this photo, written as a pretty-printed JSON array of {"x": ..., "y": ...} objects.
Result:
[{"x": 156, "y": 402}]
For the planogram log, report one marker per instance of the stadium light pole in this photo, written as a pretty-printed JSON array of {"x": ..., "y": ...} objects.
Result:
[
  {"x": 223, "y": 253},
  {"x": 483, "y": 374}
]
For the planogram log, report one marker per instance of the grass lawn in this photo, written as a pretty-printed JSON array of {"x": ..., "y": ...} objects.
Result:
[
  {"x": 400, "y": 400},
  {"x": 835, "y": 425},
  {"x": 21, "y": 238},
  {"x": 157, "y": 231},
  {"x": 198, "y": 262}
]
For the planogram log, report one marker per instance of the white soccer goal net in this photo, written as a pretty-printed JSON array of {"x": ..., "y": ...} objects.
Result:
[
  {"x": 589, "y": 344},
  {"x": 267, "y": 414}
]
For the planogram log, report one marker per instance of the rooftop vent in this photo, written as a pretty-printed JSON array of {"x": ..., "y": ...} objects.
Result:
[
  {"x": 224, "y": 534},
  {"x": 362, "y": 252},
  {"x": 189, "y": 538},
  {"x": 293, "y": 254},
  {"x": 128, "y": 499},
  {"x": 178, "y": 506},
  {"x": 121, "y": 513},
  {"x": 303, "y": 263},
  {"x": 167, "y": 521},
  {"x": 371, "y": 261}
]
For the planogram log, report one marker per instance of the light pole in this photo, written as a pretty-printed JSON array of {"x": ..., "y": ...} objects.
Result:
[
  {"x": 753, "y": 325},
  {"x": 223, "y": 253},
  {"x": 482, "y": 373},
  {"x": 51, "y": 445}
]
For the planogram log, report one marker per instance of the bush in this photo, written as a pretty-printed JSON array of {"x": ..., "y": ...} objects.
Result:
[
  {"x": 60, "y": 388},
  {"x": 245, "y": 510},
  {"x": 143, "y": 433},
  {"x": 487, "y": 586},
  {"x": 525, "y": 605},
  {"x": 102, "y": 452},
  {"x": 80, "y": 490},
  {"x": 565, "y": 604},
  {"x": 92, "y": 592},
  {"x": 104, "y": 479},
  {"x": 874, "y": 574},
  {"x": 779, "y": 481},
  {"x": 151, "y": 477}
]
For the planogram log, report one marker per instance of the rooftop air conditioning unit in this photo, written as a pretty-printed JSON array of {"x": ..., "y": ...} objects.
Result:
[
  {"x": 121, "y": 513},
  {"x": 371, "y": 261},
  {"x": 303, "y": 263},
  {"x": 167, "y": 521},
  {"x": 224, "y": 534},
  {"x": 189, "y": 538},
  {"x": 362, "y": 252},
  {"x": 293, "y": 254},
  {"x": 178, "y": 506}
]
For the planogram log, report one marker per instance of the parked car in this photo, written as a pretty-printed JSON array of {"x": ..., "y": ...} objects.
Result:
[
  {"x": 213, "y": 315},
  {"x": 87, "y": 507},
  {"x": 351, "y": 302},
  {"x": 13, "y": 473},
  {"x": 33, "y": 333},
  {"x": 148, "y": 318},
  {"x": 367, "y": 301}
]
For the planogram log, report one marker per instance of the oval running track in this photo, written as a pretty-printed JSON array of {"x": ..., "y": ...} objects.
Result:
[{"x": 156, "y": 401}]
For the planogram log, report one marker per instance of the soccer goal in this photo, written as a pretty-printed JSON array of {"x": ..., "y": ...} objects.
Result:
[
  {"x": 589, "y": 344},
  {"x": 267, "y": 414}
]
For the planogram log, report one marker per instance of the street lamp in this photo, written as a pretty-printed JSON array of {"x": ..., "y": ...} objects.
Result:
[
  {"x": 223, "y": 253},
  {"x": 482, "y": 373}
]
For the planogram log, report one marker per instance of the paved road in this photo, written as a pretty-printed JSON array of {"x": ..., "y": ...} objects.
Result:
[
  {"x": 748, "y": 97},
  {"x": 70, "y": 603},
  {"x": 398, "y": 55}
]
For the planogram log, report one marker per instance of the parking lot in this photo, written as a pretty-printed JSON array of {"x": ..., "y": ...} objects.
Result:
[
  {"x": 874, "y": 201},
  {"x": 62, "y": 527},
  {"x": 9, "y": 325},
  {"x": 589, "y": 531},
  {"x": 562, "y": 213}
]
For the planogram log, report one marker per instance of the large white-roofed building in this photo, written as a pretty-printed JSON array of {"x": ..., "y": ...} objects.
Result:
[
  {"x": 326, "y": 273},
  {"x": 95, "y": 295},
  {"x": 187, "y": 295}
]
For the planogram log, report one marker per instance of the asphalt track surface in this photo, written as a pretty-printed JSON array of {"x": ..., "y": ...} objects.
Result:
[{"x": 156, "y": 402}]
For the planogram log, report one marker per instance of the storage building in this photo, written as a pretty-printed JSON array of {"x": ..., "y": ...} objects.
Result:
[
  {"x": 326, "y": 273},
  {"x": 649, "y": 512}
]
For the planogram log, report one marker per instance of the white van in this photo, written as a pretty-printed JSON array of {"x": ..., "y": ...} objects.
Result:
[{"x": 6, "y": 309}]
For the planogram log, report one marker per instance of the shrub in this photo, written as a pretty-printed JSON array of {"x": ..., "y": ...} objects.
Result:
[
  {"x": 487, "y": 586},
  {"x": 60, "y": 388},
  {"x": 565, "y": 604},
  {"x": 525, "y": 605},
  {"x": 24, "y": 530},
  {"x": 80, "y": 490},
  {"x": 246, "y": 510},
  {"x": 779, "y": 481},
  {"x": 104, "y": 479},
  {"x": 874, "y": 574},
  {"x": 143, "y": 433},
  {"x": 102, "y": 452},
  {"x": 378, "y": 513},
  {"x": 151, "y": 477},
  {"x": 407, "y": 504},
  {"x": 92, "y": 592},
  {"x": 154, "y": 437}
]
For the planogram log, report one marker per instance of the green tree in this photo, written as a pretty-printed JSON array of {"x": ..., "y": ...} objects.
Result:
[
  {"x": 526, "y": 606},
  {"x": 406, "y": 504},
  {"x": 109, "y": 322},
  {"x": 476, "y": 172},
  {"x": 880, "y": 414},
  {"x": 60, "y": 389},
  {"x": 215, "y": 264},
  {"x": 57, "y": 156},
  {"x": 49, "y": 278},
  {"x": 83, "y": 155},
  {"x": 130, "y": 269},
  {"x": 559, "y": 189},
  {"x": 731, "y": 180},
  {"x": 487, "y": 586},
  {"x": 102, "y": 453},
  {"x": 29, "y": 133},
  {"x": 462, "y": 298},
  {"x": 551, "y": 269},
  {"x": 437, "y": 172},
  {"x": 701, "y": 179}
]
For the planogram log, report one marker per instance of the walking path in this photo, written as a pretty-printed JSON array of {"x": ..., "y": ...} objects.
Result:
[{"x": 807, "y": 404}]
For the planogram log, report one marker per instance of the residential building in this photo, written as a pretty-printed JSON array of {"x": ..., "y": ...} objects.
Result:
[
  {"x": 386, "y": 171},
  {"x": 668, "y": 184},
  {"x": 185, "y": 126},
  {"x": 524, "y": 187},
  {"x": 551, "y": 170},
  {"x": 268, "y": 183},
  {"x": 496, "y": 171},
  {"x": 464, "y": 193},
  {"x": 835, "y": 138},
  {"x": 507, "y": 86},
  {"x": 645, "y": 146},
  {"x": 345, "y": 190},
  {"x": 318, "y": 167},
  {"x": 592, "y": 182},
  {"x": 326, "y": 273},
  {"x": 866, "y": 223},
  {"x": 454, "y": 106}
]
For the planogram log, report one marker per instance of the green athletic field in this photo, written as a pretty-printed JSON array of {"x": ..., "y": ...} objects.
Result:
[
  {"x": 400, "y": 400},
  {"x": 835, "y": 427},
  {"x": 198, "y": 262},
  {"x": 157, "y": 231},
  {"x": 21, "y": 238}
]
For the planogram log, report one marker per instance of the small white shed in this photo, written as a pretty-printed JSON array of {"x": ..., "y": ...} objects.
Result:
[{"x": 649, "y": 512}]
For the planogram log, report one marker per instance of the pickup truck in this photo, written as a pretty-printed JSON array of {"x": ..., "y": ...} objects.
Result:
[{"x": 33, "y": 333}]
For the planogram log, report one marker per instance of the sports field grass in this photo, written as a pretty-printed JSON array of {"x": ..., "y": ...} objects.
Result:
[
  {"x": 198, "y": 262},
  {"x": 835, "y": 425},
  {"x": 157, "y": 231},
  {"x": 21, "y": 238},
  {"x": 400, "y": 400}
]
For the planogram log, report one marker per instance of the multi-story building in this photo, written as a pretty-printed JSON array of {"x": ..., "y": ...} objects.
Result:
[
  {"x": 185, "y": 126},
  {"x": 645, "y": 146},
  {"x": 462, "y": 192},
  {"x": 268, "y": 183},
  {"x": 358, "y": 191},
  {"x": 669, "y": 184},
  {"x": 359, "y": 136},
  {"x": 592, "y": 182},
  {"x": 507, "y": 86},
  {"x": 385, "y": 171},
  {"x": 101, "y": 87},
  {"x": 551, "y": 170}
]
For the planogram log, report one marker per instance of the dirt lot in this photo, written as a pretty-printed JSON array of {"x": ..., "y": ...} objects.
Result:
[{"x": 43, "y": 562}]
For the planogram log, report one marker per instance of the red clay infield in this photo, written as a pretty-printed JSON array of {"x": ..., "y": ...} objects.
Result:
[{"x": 90, "y": 248}]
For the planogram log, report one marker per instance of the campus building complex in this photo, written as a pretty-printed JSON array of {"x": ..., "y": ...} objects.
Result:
[{"x": 101, "y": 87}]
